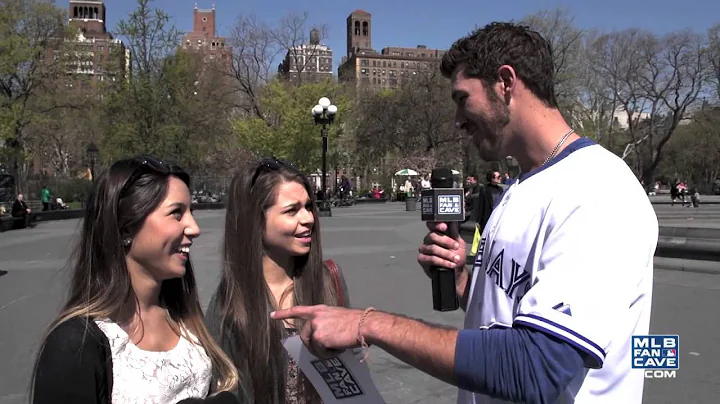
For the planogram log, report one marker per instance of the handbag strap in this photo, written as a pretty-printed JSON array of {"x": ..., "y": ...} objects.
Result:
[{"x": 335, "y": 276}]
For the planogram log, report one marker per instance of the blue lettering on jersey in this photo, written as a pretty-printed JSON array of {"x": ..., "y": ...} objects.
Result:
[
  {"x": 479, "y": 255},
  {"x": 495, "y": 270},
  {"x": 519, "y": 283},
  {"x": 518, "y": 278}
]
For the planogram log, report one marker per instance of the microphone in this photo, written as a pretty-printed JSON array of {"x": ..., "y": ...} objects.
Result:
[{"x": 443, "y": 203}]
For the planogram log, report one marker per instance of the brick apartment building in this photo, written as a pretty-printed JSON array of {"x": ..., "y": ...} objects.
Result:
[
  {"x": 92, "y": 57},
  {"x": 204, "y": 39},
  {"x": 385, "y": 69},
  {"x": 308, "y": 63},
  {"x": 98, "y": 55}
]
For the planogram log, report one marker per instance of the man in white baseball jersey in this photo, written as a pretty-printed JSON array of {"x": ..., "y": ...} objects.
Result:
[{"x": 562, "y": 277}]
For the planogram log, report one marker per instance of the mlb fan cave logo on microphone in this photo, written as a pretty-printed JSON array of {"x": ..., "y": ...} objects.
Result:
[
  {"x": 657, "y": 355},
  {"x": 449, "y": 204}
]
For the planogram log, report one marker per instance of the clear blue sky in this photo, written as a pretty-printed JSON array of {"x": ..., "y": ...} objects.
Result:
[{"x": 437, "y": 24}]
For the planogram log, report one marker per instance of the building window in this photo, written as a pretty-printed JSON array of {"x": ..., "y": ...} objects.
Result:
[
  {"x": 364, "y": 62},
  {"x": 357, "y": 28},
  {"x": 366, "y": 28}
]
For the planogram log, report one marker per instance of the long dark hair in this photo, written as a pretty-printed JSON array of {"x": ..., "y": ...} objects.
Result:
[
  {"x": 120, "y": 201},
  {"x": 243, "y": 296}
]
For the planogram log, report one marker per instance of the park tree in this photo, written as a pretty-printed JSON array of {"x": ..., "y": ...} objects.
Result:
[
  {"x": 58, "y": 137},
  {"x": 198, "y": 121},
  {"x": 566, "y": 41},
  {"x": 140, "y": 106},
  {"x": 287, "y": 129},
  {"x": 173, "y": 105},
  {"x": 654, "y": 81},
  {"x": 414, "y": 120},
  {"x": 258, "y": 49},
  {"x": 694, "y": 153},
  {"x": 714, "y": 57},
  {"x": 29, "y": 31}
]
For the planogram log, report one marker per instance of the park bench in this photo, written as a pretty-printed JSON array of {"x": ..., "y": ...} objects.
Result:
[
  {"x": 35, "y": 205},
  {"x": 8, "y": 222}
]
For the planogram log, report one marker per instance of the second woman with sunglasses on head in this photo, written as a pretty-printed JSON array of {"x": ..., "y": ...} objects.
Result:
[
  {"x": 132, "y": 330},
  {"x": 272, "y": 259}
]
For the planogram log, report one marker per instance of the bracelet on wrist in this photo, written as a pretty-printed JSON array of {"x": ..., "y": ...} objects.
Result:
[{"x": 360, "y": 337}]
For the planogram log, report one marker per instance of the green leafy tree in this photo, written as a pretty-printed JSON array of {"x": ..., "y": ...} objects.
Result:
[
  {"x": 694, "y": 153},
  {"x": 140, "y": 107},
  {"x": 288, "y": 130},
  {"x": 175, "y": 104},
  {"x": 29, "y": 29}
]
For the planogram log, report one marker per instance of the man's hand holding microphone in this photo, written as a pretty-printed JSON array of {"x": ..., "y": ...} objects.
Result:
[
  {"x": 442, "y": 254},
  {"x": 444, "y": 248}
]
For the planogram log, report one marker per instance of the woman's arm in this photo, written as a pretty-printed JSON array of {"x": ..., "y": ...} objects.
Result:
[
  {"x": 73, "y": 366},
  {"x": 226, "y": 340},
  {"x": 337, "y": 277},
  {"x": 344, "y": 287}
]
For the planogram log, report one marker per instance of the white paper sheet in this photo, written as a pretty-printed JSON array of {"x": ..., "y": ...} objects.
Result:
[{"x": 342, "y": 379}]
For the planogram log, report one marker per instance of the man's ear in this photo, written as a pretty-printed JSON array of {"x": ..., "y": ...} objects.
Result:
[{"x": 508, "y": 80}]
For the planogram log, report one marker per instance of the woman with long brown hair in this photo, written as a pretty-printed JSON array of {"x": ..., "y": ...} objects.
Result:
[
  {"x": 272, "y": 259},
  {"x": 132, "y": 330}
]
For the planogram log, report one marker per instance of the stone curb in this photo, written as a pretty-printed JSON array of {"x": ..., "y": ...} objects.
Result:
[
  {"x": 680, "y": 204},
  {"x": 682, "y": 265},
  {"x": 693, "y": 249},
  {"x": 690, "y": 232}
]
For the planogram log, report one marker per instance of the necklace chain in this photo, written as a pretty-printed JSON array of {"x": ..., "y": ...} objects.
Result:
[{"x": 557, "y": 147}]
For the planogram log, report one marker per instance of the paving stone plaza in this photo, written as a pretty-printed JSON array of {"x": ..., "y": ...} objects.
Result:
[{"x": 376, "y": 246}]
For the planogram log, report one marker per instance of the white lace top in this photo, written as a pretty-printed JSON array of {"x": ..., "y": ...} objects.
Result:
[{"x": 141, "y": 376}]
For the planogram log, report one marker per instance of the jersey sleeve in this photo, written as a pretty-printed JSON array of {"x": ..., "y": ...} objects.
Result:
[{"x": 594, "y": 259}]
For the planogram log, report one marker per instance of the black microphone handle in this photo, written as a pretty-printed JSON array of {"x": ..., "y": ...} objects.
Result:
[{"x": 443, "y": 287}]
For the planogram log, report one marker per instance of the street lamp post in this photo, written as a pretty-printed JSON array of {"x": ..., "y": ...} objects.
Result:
[
  {"x": 324, "y": 113},
  {"x": 92, "y": 152}
]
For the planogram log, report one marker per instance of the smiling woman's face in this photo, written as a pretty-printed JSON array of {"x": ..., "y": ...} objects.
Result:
[{"x": 162, "y": 245}]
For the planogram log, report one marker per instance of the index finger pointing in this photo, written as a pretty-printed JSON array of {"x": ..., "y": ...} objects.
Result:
[{"x": 303, "y": 312}]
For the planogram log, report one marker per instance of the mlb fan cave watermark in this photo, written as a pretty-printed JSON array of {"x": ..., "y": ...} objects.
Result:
[{"x": 657, "y": 355}]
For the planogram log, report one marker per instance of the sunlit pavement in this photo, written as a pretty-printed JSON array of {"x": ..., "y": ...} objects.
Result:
[{"x": 376, "y": 246}]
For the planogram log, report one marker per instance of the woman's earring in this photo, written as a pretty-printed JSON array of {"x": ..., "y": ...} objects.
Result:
[{"x": 126, "y": 242}]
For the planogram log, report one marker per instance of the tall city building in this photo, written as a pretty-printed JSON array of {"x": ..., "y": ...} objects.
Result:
[
  {"x": 307, "y": 63},
  {"x": 204, "y": 39},
  {"x": 385, "y": 69},
  {"x": 95, "y": 53}
]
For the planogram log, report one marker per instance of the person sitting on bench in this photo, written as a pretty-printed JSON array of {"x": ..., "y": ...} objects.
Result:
[{"x": 21, "y": 213}]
